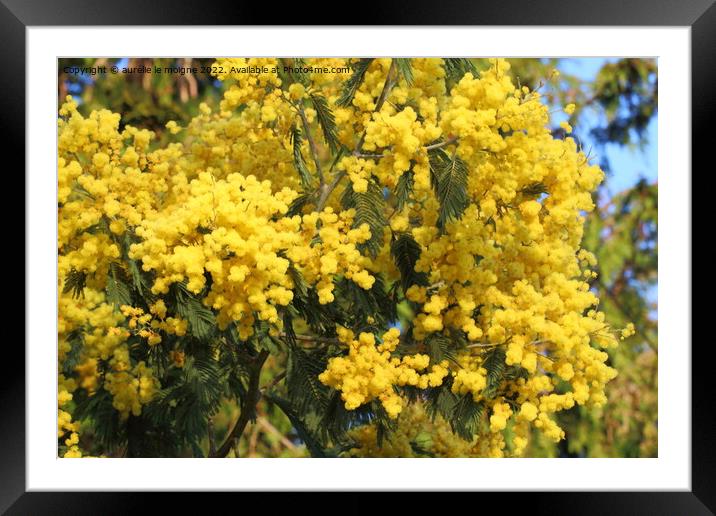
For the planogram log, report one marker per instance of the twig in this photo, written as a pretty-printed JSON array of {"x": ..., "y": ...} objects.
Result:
[
  {"x": 485, "y": 345},
  {"x": 449, "y": 141},
  {"x": 312, "y": 338},
  {"x": 309, "y": 136},
  {"x": 440, "y": 145},
  {"x": 311, "y": 142},
  {"x": 212, "y": 438},
  {"x": 248, "y": 407},
  {"x": 274, "y": 382},
  {"x": 253, "y": 440},
  {"x": 326, "y": 190},
  {"x": 494, "y": 345},
  {"x": 268, "y": 426},
  {"x": 613, "y": 298},
  {"x": 369, "y": 156}
]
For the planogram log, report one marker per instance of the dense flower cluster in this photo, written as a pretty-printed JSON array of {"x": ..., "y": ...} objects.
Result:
[
  {"x": 234, "y": 229},
  {"x": 210, "y": 211},
  {"x": 369, "y": 371},
  {"x": 419, "y": 435},
  {"x": 510, "y": 272}
]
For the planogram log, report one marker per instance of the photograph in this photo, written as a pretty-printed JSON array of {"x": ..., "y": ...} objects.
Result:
[{"x": 397, "y": 257}]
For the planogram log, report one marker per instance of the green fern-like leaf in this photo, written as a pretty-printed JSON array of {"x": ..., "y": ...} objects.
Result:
[
  {"x": 404, "y": 189},
  {"x": 441, "y": 400},
  {"x": 406, "y": 252},
  {"x": 296, "y": 207},
  {"x": 534, "y": 190},
  {"x": 75, "y": 282},
  {"x": 326, "y": 120},
  {"x": 320, "y": 318},
  {"x": 202, "y": 322},
  {"x": 306, "y": 392},
  {"x": 440, "y": 347},
  {"x": 73, "y": 356},
  {"x": 354, "y": 81},
  {"x": 456, "y": 68},
  {"x": 450, "y": 186},
  {"x": 293, "y": 70},
  {"x": 466, "y": 417},
  {"x": 495, "y": 365},
  {"x": 405, "y": 69},
  {"x": 363, "y": 304},
  {"x": 370, "y": 209},
  {"x": 298, "y": 162},
  {"x": 117, "y": 291},
  {"x": 336, "y": 420},
  {"x": 193, "y": 395},
  {"x": 138, "y": 280},
  {"x": 107, "y": 428},
  {"x": 384, "y": 425}
]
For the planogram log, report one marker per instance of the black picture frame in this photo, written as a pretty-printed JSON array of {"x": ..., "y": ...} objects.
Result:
[{"x": 700, "y": 15}]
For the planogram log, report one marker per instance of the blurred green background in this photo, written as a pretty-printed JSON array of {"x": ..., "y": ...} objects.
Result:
[{"x": 615, "y": 121}]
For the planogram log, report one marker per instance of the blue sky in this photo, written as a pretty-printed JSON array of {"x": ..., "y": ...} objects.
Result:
[{"x": 628, "y": 164}]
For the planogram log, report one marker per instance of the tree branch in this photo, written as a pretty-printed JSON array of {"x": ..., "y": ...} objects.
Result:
[
  {"x": 440, "y": 145},
  {"x": 311, "y": 142},
  {"x": 313, "y": 338},
  {"x": 262, "y": 421},
  {"x": 248, "y": 407},
  {"x": 326, "y": 190},
  {"x": 627, "y": 315},
  {"x": 449, "y": 141},
  {"x": 212, "y": 438},
  {"x": 274, "y": 382}
]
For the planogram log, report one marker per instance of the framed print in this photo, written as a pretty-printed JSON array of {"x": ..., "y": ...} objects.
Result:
[{"x": 359, "y": 258}]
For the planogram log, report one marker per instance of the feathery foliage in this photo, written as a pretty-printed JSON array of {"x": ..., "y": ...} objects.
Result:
[
  {"x": 202, "y": 322},
  {"x": 75, "y": 283},
  {"x": 456, "y": 68},
  {"x": 406, "y": 252},
  {"x": 370, "y": 209},
  {"x": 351, "y": 86},
  {"x": 450, "y": 173},
  {"x": 303, "y": 173},
  {"x": 326, "y": 120},
  {"x": 495, "y": 365},
  {"x": 117, "y": 291},
  {"x": 404, "y": 189},
  {"x": 466, "y": 417},
  {"x": 405, "y": 69}
]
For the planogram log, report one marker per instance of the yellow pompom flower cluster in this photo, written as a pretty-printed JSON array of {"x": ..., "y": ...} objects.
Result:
[
  {"x": 131, "y": 387},
  {"x": 369, "y": 371},
  {"x": 418, "y": 435},
  {"x": 470, "y": 377},
  {"x": 500, "y": 413},
  {"x": 65, "y": 426},
  {"x": 225, "y": 213},
  {"x": 248, "y": 79},
  {"x": 333, "y": 253},
  {"x": 104, "y": 340},
  {"x": 513, "y": 253},
  {"x": 147, "y": 326},
  {"x": 235, "y": 230},
  {"x": 359, "y": 171}
]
